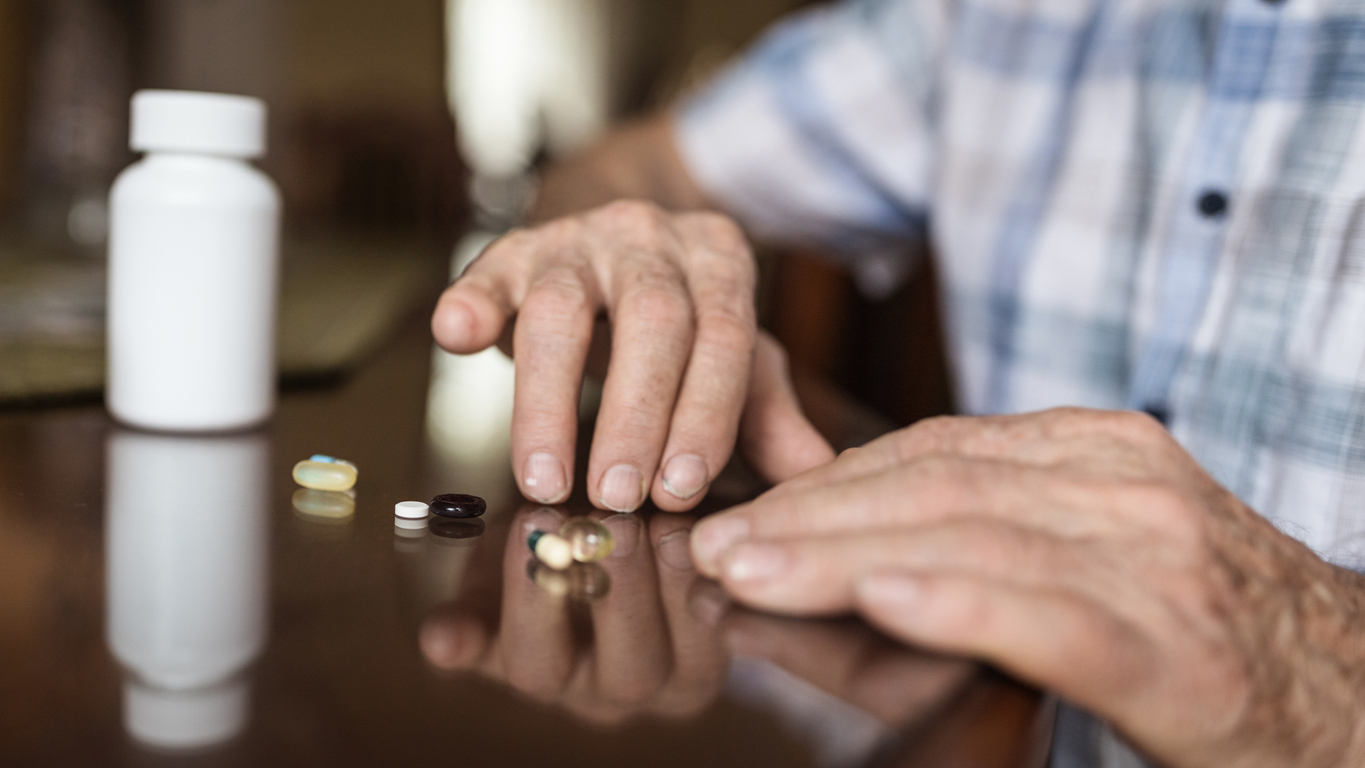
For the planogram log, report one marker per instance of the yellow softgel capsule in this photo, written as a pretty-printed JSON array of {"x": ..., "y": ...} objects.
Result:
[
  {"x": 589, "y": 540},
  {"x": 334, "y": 475}
]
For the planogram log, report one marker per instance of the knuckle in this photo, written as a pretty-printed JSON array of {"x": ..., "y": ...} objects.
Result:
[
  {"x": 730, "y": 328},
  {"x": 658, "y": 302},
  {"x": 932, "y": 434},
  {"x": 1128, "y": 425},
  {"x": 1165, "y": 507},
  {"x": 561, "y": 230},
  {"x": 1137, "y": 425},
  {"x": 509, "y": 246},
  {"x": 640, "y": 218},
  {"x": 513, "y": 241},
  {"x": 720, "y": 231},
  {"x": 470, "y": 282},
  {"x": 940, "y": 475},
  {"x": 559, "y": 293},
  {"x": 728, "y": 279},
  {"x": 723, "y": 248},
  {"x": 936, "y": 426}
]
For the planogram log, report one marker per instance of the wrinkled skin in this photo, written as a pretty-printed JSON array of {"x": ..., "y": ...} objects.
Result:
[
  {"x": 1083, "y": 551},
  {"x": 689, "y": 371}
]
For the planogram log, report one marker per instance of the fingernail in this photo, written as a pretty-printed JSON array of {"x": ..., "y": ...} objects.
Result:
[
  {"x": 898, "y": 590},
  {"x": 542, "y": 519},
  {"x": 621, "y": 489},
  {"x": 711, "y": 537},
  {"x": 625, "y": 531},
  {"x": 752, "y": 562},
  {"x": 685, "y": 475},
  {"x": 673, "y": 550},
  {"x": 544, "y": 478}
]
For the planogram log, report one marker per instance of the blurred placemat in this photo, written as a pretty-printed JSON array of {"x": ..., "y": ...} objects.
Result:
[{"x": 340, "y": 298}]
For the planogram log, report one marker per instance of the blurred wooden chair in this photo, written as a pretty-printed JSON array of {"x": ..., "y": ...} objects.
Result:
[{"x": 886, "y": 355}]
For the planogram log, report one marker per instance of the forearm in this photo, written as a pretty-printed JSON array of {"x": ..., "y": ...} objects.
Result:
[{"x": 639, "y": 160}]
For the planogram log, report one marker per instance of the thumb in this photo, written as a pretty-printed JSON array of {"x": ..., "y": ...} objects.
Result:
[{"x": 776, "y": 438}]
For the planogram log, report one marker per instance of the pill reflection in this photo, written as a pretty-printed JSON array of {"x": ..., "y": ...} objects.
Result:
[
  {"x": 456, "y": 529},
  {"x": 583, "y": 582},
  {"x": 186, "y": 580},
  {"x": 324, "y": 506}
]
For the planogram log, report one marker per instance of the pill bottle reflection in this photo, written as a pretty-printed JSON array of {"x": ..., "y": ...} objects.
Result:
[{"x": 186, "y": 580}]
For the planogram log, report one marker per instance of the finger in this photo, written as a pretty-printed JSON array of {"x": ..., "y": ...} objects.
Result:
[
  {"x": 553, "y": 331},
  {"x": 631, "y": 649},
  {"x": 536, "y": 635},
  {"x": 699, "y": 659},
  {"x": 706, "y": 416},
  {"x": 775, "y": 436},
  {"x": 1047, "y": 438},
  {"x": 453, "y": 641},
  {"x": 851, "y": 662},
  {"x": 818, "y": 575},
  {"x": 652, "y": 319},
  {"x": 1051, "y": 638},
  {"x": 473, "y": 310},
  {"x": 461, "y": 634},
  {"x": 583, "y": 700},
  {"x": 924, "y": 492}
]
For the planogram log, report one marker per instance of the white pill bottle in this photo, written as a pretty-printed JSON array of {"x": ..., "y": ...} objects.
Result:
[{"x": 193, "y": 267}]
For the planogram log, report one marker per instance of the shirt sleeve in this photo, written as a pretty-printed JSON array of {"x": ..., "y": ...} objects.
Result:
[{"x": 823, "y": 133}]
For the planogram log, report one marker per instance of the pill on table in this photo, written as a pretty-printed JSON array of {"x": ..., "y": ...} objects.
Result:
[
  {"x": 413, "y": 510},
  {"x": 329, "y": 504},
  {"x": 551, "y": 549},
  {"x": 588, "y": 539},
  {"x": 584, "y": 582},
  {"x": 458, "y": 505},
  {"x": 325, "y": 476}
]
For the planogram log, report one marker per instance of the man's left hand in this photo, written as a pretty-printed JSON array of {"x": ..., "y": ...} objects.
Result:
[{"x": 1086, "y": 552}]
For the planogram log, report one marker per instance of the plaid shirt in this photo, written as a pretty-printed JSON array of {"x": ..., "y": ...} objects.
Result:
[{"x": 1149, "y": 204}]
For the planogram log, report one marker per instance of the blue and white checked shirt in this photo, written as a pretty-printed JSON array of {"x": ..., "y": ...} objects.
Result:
[{"x": 1151, "y": 204}]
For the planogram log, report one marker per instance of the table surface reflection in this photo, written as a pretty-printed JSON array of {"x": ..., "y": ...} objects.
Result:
[{"x": 165, "y": 603}]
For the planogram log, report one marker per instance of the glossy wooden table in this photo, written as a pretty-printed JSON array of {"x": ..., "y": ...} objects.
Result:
[{"x": 162, "y": 602}]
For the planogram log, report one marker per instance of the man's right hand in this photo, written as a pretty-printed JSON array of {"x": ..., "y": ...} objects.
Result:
[{"x": 688, "y": 362}]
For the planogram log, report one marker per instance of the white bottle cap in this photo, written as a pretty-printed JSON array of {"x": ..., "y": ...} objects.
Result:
[{"x": 202, "y": 123}]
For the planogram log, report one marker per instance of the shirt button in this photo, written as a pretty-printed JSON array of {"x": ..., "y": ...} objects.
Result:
[{"x": 1213, "y": 204}]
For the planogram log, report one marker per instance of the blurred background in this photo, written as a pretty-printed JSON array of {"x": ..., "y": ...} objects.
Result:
[{"x": 380, "y": 187}]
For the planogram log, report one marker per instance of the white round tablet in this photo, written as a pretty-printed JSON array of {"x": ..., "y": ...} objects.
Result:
[{"x": 413, "y": 510}]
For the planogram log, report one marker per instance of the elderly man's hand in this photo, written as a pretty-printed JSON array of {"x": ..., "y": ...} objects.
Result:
[
  {"x": 687, "y": 359},
  {"x": 1086, "y": 552}
]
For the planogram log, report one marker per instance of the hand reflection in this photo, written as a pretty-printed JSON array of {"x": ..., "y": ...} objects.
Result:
[{"x": 661, "y": 639}]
